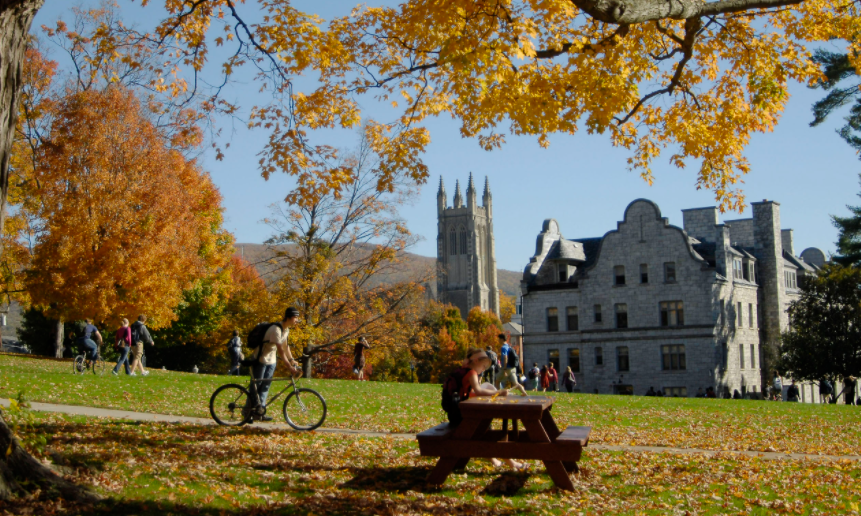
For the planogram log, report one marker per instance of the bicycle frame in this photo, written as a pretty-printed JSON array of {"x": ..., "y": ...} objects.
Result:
[{"x": 271, "y": 398}]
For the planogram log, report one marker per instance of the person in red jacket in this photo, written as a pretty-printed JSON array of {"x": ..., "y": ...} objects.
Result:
[
  {"x": 545, "y": 379},
  {"x": 552, "y": 377},
  {"x": 123, "y": 343}
]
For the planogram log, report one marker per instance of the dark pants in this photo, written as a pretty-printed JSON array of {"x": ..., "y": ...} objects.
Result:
[
  {"x": 553, "y": 387},
  {"x": 124, "y": 359},
  {"x": 88, "y": 347},
  {"x": 261, "y": 372},
  {"x": 234, "y": 361},
  {"x": 569, "y": 387}
]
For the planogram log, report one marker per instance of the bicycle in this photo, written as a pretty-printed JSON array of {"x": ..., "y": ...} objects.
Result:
[
  {"x": 304, "y": 409},
  {"x": 81, "y": 363}
]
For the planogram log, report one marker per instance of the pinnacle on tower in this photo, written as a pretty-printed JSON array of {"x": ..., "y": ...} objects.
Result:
[
  {"x": 440, "y": 197},
  {"x": 458, "y": 200},
  {"x": 470, "y": 193},
  {"x": 487, "y": 194}
]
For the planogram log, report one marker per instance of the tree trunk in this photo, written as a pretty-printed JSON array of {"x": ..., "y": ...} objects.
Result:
[
  {"x": 16, "y": 464},
  {"x": 57, "y": 337},
  {"x": 307, "y": 362},
  {"x": 15, "y": 19}
]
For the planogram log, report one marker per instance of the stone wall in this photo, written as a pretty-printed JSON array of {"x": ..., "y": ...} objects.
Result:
[{"x": 700, "y": 223}]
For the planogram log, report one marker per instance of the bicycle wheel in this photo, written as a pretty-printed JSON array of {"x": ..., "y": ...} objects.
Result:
[
  {"x": 226, "y": 405},
  {"x": 78, "y": 366},
  {"x": 305, "y": 409},
  {"x": 99, "y": 366}
]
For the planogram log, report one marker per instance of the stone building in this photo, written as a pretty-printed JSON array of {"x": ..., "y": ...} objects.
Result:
[
  {"x": 654, "y": 305},
  {"x": 466, "y": 255}
]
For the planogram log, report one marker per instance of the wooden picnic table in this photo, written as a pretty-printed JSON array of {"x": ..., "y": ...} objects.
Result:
[{"x": 540, "y": 439}]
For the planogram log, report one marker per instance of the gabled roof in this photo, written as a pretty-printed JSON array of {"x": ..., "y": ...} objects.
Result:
[{"x": 798, "y": 263}]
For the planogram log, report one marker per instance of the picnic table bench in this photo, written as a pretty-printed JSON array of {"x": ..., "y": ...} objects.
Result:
[{"x": 540, "y": 439}]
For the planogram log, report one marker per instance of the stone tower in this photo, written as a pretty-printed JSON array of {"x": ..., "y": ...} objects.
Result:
[{"x": 466, "y": 255}]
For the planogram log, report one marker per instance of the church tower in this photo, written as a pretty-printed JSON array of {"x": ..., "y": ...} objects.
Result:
[{"x": 466, "y": 255}]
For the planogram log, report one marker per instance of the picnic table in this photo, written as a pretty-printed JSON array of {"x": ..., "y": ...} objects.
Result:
[{"x": 540, "y": 439}]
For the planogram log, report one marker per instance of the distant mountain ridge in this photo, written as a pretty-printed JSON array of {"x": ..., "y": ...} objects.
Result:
[{"x": 412, "y": 266}]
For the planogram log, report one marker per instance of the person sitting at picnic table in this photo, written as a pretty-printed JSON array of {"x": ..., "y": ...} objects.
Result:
[{"x": 477, "y": 362}]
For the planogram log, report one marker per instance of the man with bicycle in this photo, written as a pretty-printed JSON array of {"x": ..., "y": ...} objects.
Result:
[{"x": 265, "y": 357}]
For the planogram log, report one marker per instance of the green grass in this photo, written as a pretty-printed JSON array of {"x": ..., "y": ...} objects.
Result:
[
  {"x": 392, "y": 407},
  {"x": 158, "y": 469}
]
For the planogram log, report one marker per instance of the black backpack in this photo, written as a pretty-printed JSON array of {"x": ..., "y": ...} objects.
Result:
[
  {"x": 531, "y": 374},
  {"x": 494, "y": 362},
  {"x": 512, "y": 360},
  {"x": 451, "y": 394},
  {"x": 256, "y": 335}
]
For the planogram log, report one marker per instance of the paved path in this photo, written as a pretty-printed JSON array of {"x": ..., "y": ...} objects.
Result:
[{"x": 165, "y": 418}]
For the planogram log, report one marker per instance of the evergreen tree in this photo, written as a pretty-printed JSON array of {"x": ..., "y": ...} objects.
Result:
[
  {"x": 849, "y": 236},
  {"x": 836, "y": 69}
]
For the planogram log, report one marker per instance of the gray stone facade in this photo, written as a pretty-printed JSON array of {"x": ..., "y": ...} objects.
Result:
[
  {"x": 466, "y": 254},
  {"x": 650, "y": 304}
]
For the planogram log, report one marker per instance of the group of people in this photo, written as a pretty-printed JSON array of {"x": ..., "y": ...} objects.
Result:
[
  {"x": 546, "y": 378},
  {"x": 130, "y": 340}
]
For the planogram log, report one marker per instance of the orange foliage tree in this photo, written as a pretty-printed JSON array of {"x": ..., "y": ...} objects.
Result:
[{"x": 125, "y": 222}]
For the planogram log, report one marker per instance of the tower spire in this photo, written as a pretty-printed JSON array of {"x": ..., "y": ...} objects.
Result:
[
  {"x": 487, "y": 198},
  {"x": 458, "y": 200},
  {"x": 440, "y": 197},
  {"x": 470, "y": 193}
]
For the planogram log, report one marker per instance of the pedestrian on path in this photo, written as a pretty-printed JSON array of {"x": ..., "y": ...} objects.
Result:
[
  {"x": 359, "y": 358},
  {"x": 553, "y": 377},
  {"x": 140, "y": 336},
  {"x": 234, "y": 347},
  {"x": 568, "y": 380},
  {"x": 123, "y": 344}
]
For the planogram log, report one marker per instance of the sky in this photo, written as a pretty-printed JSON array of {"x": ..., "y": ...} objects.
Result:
[{"x": 581, "y": 180}]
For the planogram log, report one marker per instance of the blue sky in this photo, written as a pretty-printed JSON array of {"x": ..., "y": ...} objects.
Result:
[{"x": 580, "y": 180}]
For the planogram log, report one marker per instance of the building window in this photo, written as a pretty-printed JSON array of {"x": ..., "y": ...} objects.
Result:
[
  {"x": 553, "y": 319},
  {"x": 621, "y": 315},
  {"x": 745, "y": 270},
  {"x": 722, "y": 314},
  {"x": 752, "y": 272},
  {"x": 599, "y": 356},
  {"x": 452, "y": 242},
  {"x": 673, "y": 357},
  {"x": 736, "y": 269},
  {"x": 672, "y": 313},
  {"x": 563, "y": 273},
  {"x": 553, "y": 358},
  {"x": 622, "y": 363},
  {"x": 619, "y": 275},
  {"x": 463, "y": 245},
  {"x": 724, "y": 354},
  {"x": 740, "y": 315},
  {"x": 790, "y": 279},
  {"x": 644, "y": 273},
  {"x": 598, "y": 317},
  {"x": 741, "y": 356},
  {"x": 670, "y": 272},
  {"x": 750, "y": 315},
  {"x": 574, "y": 359},
  {"x": 573, "y": 318},
  {"x": 753, "y": 356},
  {"x": 676, "y": 392}
]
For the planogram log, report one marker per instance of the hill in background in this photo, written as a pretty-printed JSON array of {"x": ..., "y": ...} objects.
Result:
[{"x": 411, "y": 267}]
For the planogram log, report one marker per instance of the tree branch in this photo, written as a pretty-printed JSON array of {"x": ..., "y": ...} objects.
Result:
[{"x": 627, "y": 12}]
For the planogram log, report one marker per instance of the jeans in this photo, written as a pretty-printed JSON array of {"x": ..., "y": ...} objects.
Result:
[
  {"x": 88, "y": 347},
  {"x": 234, "y": 362},
  {"x": 261, "y": 372},
  {"x": 124, "y": 359},
  {"x": 569, "y": 387}
]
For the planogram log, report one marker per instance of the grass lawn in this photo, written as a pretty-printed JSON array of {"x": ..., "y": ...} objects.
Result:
[
  {"x": 391, "y": 407},
  {"x": 163, "y": 469}
]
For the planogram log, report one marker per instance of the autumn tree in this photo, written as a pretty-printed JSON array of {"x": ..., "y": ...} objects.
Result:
[
  {"x": 126, "y": 223},
  {"x": 824, "y": 341},
  {"x": 507, "y": 307},
  {"x": 337, "y": 254}
]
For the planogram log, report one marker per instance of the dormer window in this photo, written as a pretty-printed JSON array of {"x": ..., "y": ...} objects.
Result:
[
  {"x": 563, "y": 273},
  {"x": 736, "y": 269},
  {"x": 790, "y": 279}
]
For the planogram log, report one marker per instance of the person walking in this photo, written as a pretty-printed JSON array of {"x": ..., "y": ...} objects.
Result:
[
  {"x": 825, "y": 391},
  {"x": 776, "y": 387},
  {"x": 534, "y": 377},
  {"x": 791, "y": 392},
  {"x": 568, "y": 380},
  {"x": 491, "y": 372},
  {"x": 86, "y": 342},
  {"x": 545, "y": 379},
  {"x": 510, "y": 360},
  {"x": 140, "y": 336},
  {"x": 553, "y": 377},
  {"x": 234, "y": 347},
  {"x": 359, "y": 357},
  {"x": 266, "y": 358},
  {"x": 123, "y": 344}
]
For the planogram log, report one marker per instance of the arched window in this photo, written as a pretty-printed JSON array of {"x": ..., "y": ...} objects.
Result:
[
  {"x": 463, "y": 247},
  {"x": 452, "y": 242}
]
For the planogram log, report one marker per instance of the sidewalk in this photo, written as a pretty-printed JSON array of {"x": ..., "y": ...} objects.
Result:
[{"x": 77, "y": 410}]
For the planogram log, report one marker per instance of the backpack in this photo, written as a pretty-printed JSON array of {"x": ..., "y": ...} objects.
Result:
[
  {"x": 257, "y": 334},
  {"x": 451, "y": 397},
  {"x": 531, "y": 374},
  {"x": 513, "y": 360},
  {"x": 136, "y": 332},
  {"x": 493, "y": 361}
]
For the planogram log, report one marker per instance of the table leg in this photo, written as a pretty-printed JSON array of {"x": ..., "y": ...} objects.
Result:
[
  {"x": 550, "y": 425},
  {"x": 444, "y": 467},
  {"x": 461, "y": 464},
  {"x": 571, "y": 467},
  {"x": 558, "y": 474}
]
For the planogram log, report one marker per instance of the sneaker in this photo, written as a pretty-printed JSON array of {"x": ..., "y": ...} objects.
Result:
[
  {"x": 265, "y": 419},
  {"x": 144, "y": 373},
  {"x": 133, "y": 373},
  {"x": 114, "y": 372}
]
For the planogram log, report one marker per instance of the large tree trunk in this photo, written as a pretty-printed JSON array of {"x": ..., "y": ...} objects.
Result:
[
  {"x": 16, "y": 465},
  {"x": 307, "y": 362},
  {"x": 15, "y": 19},
  {"x": 20, "y": 471},
  {"x": 57, "y": 327}
]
